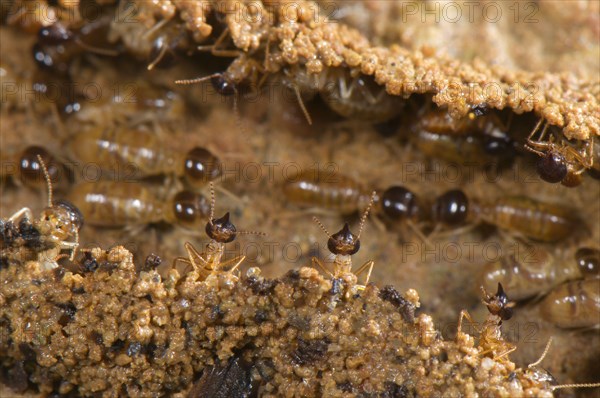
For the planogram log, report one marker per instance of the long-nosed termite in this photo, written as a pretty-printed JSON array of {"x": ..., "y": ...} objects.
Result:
[
  {"x": 343, "y": 245},
  {"x": 220, "y": 231},
  {"x": 490, "y": 339}
]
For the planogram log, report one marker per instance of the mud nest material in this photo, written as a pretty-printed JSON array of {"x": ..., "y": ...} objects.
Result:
[
  {"x": 296, "y": 34},
  {"x": 110, "y": 330}
]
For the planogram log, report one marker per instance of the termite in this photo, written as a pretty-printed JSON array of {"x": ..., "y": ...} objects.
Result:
[
  {"x": 24, "y": 167},
  {"x": 528, "y": 273},
  {"x": 343, "y": 245},
  {"x": 58, "y": 222},
  {"x": 559, "y": 161},
  {"x": 490, "y": 339},
  {"x": 117, "y": 204},
  {"x": 541, "y": 376},
  {"x": 541, "y": 221},
  {"x": 220, "y": 231},
  {"x": 574, "y": 304},
  {"x": 142, "y": 153}
]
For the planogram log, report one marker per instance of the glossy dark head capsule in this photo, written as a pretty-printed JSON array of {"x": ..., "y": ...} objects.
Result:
[
  {"x": 54, "y": 34},
  {"x": 189, "y": 207},
  {"x": 31, "y": 170},
  {"x": 451, "y": 208},
  {"x": 499, "y": 305},
  {"x": 588, "y": 261},
  {"x": 498, "y": 146},
  {"x": 398, "y": 203},
  {"x": 343, "y": 242},
  {"x": 223, "y": 86},
  {"x": 221, "y": 229},
  {"x": 201, "y": 166},
  {"x": 552, "y": 167},
  {"x": 73, "y": 212}
]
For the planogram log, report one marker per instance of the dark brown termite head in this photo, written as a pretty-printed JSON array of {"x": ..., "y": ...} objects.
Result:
[
  {"x": 71, "y": 212},
  {"x": 398, "y": 203},
  {"x": 31, "y": 170},
  {"x": 498, "y": 304},
  {"x": 54, "y": 35},
  {"x": 201, "y": 166},
  {"x": 189, "y": 208},
  {"x": 451, "y": 208},
  {"x": 223, "y": 85},
  {"x": 588, "y": 261},
  {"x": 344, "y": 242},
  {"x": 552, "y": 167},
  {"x": 221, "y": 229}
]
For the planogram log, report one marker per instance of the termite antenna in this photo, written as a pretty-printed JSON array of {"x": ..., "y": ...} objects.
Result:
[
  {"x": 251, "y": 233},
  {"x": 161, "y": 54},
  {"x": 582, "y": 385},
  {"x": 198, "y": 79},
  {"x": 320, "y": 224},
  {"x": 47, "y": 177},
  {"x": 212, "y": 202},
  {"x": 530, "y": 138},
  {"x": 536, "y": 363},
  {"x": 96, "y": 50},
  {"x": 302, "y": 106},
  {"x": 363, "y": 218}
]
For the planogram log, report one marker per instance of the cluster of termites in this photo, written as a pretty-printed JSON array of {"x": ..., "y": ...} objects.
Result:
[
  {"x": 123, "y": 135},
  {"x": 520, "y": 215}
]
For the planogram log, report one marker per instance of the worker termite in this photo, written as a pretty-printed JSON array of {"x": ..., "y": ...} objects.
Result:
[
  {"x": 357, "y": 96},
  {"x": 24, "y": 167},
  {"x": 349, "y": 94},
  {"x": 527, "y": 273},
  {"x": 142, "y": 154},
  {"x": 334, "y": 191},
  {"x": 560, "y": 161},
  {"x": 574, "y": 304},
  {"x": 117, "y": 204},
  {"x": 130, "y": 103},
  {"x": 490, "y": 339},
  {"x": 541, "y": 221},
  {"x": 343, "y": 245},
  {"x": 220, "y": 231},
  {"x": 58, "y": 222},
  {"x": 58, "y": 44},
  {"x": 328, "y": 190},
  {"x": 473, "y": 139}
]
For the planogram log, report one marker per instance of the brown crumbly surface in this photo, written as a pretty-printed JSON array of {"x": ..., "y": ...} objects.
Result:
[
  {"x": 113, "y": 331},
  {"x": 299, "y": 35}
]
